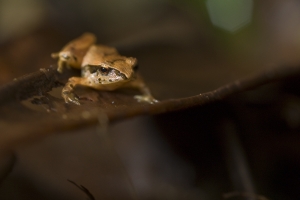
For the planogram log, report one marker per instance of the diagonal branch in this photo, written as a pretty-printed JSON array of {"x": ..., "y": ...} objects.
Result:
[{"x": 82, "y": 116}]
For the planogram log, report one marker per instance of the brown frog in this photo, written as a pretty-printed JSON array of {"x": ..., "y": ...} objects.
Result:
[{"x": 102, "y": 68}]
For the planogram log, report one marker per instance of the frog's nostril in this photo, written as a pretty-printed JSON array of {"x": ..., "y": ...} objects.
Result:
[{"x": 136, "y": 67}]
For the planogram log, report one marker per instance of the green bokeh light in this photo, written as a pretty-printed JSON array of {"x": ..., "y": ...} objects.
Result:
[{"x": 230, "y": 15}]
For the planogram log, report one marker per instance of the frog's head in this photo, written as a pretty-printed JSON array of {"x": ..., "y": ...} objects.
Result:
[{"x": 112, "y": 71}]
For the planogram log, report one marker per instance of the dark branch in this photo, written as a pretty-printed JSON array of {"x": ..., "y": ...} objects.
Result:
[{"x": 39, "y": 125}]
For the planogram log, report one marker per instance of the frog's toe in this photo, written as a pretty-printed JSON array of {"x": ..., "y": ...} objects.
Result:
[
  {"x": 145, "y": 98},
  {"x": 71, "y": 98}
]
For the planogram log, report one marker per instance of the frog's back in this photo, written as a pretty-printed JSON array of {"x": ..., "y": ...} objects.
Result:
[
  {"x": 96, "y": 55},
  {"x": 81, "y": 43}
]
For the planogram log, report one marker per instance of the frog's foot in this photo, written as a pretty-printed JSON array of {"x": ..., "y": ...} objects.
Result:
[
  {"x": 145, "y": 98},
  {"x": 70, "y": 97}
]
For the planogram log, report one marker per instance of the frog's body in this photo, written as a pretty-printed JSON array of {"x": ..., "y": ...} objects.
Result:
[{"x": 103, "y": 68}]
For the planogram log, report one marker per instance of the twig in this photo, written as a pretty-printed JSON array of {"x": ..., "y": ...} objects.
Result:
[
  {"x": 16, "y": 132},
  {"x": 82, "y": 188}
]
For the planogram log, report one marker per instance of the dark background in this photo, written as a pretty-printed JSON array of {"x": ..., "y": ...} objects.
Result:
[{"x": 184, "y": 48}]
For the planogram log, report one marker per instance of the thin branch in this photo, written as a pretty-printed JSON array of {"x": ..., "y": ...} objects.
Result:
[
  {"x": 80, "y": 116},
  {"x": 83, "y": 189}
]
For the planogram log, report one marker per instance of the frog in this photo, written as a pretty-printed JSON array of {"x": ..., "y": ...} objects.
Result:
[
  {"x": 71, "y": 55},
  {"x": 103, "y": 68}
]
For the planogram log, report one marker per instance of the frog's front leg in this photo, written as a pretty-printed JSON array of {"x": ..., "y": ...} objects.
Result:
[
  {"x": 60, "y": 63},
  {"x": 68, "y": 91}
]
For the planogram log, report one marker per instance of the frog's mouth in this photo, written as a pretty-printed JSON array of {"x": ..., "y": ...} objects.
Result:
[{"x": 103, "y": 75}]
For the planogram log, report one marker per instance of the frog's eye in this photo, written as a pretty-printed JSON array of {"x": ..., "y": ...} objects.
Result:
[{"x": 104, "y": 70}]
